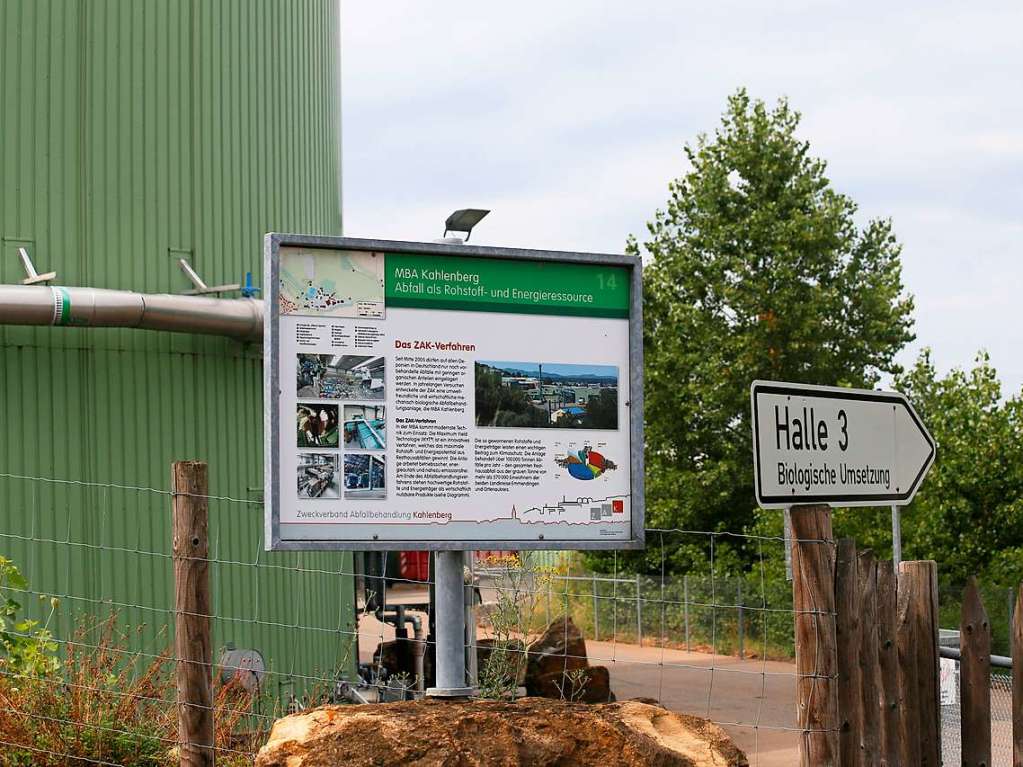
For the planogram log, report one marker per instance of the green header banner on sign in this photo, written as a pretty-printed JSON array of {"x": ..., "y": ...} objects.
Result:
[{"x": 501, "y": 285}]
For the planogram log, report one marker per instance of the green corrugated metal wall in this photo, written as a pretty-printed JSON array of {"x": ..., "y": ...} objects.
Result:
[{"x": 136, "y": 132}]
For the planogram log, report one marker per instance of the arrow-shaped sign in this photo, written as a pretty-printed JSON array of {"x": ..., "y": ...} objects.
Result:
[{"x": 844, "y": 447}]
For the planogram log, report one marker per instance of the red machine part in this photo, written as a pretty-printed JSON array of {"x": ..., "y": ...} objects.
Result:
[{"x": 414, "y": 565}]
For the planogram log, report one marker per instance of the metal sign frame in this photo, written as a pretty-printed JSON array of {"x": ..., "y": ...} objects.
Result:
[
  {"x": 271, "y": 392},
  {"x": 834, "y": 393}
]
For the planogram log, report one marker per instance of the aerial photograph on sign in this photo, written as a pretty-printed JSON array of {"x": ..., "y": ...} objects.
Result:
[
  {"x": 331, "y": 283},
  {"x": 365, "y": 476},
  {"x": 365, "y": 427},
  {"x": 318, "y": 476},
  {"x": 546, "y": 395},
  {"x": 340, "y": 376},
  {"x": 317, "y": 425}
]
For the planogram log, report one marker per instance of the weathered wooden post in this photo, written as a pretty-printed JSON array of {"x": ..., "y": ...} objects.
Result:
[
  {"x": 917, "y": 640},
  {"x": 192, "y": 643},
  {"x": 975, "y": 679},
  {"x": 870, "y": 712},
  {"x": 887, "y": 663},
  {"x": 813, "y": 592},
  {"x": 847, "y": 637}
]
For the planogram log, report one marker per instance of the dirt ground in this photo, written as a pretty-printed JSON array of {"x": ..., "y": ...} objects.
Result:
[{"x": 754, "y": 700}]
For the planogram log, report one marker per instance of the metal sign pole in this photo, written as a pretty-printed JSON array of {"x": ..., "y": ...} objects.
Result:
[
  {"x": 787, "y": 535},
  {"x": 449, "y": 621},
  {"x": 896, "y": 537},
  {"x": 451, "y": 614}
]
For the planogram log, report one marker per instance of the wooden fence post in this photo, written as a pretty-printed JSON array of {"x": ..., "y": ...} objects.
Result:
[
  {"x": 888, "y": 661},
  {"x": 813, "y": 594},
  {"x": 847, "y": 636},
  {"x": 917, "y": 641},
  {"x": 975, "y": 679},
  {"x": 192, "y": 642},
  {"x": 870, "y": 723},
  {"x": 1017, "y": 680}
]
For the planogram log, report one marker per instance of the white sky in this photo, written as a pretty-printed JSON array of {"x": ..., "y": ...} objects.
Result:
[{"x": 567, "y": 119}]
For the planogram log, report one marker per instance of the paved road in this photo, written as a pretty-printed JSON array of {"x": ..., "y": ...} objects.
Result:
[{"x": 753, "y": 699}]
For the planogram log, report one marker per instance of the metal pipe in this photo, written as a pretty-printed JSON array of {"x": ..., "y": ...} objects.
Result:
[
  {"x": 418, "y": 652},
  {"x": 471, "y": 659},
  {"x": 896, "y": 537},
  {"x": 239, "y": 318},
  {"x": 996, "y": 661}
]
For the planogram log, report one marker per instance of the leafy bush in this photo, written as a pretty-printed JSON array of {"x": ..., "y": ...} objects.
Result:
[
  {"x": 106, "y": 703},
  {"x": 25, "y": 646}
]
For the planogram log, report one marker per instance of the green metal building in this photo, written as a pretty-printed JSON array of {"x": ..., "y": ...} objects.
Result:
[{"x": 135, "y": 133}]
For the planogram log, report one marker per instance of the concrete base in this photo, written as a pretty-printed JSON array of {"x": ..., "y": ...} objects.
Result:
[{"x": 451, "y": 692}]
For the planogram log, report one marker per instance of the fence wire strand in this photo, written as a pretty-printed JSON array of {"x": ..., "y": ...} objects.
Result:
[{"x": 104, "y": 551}]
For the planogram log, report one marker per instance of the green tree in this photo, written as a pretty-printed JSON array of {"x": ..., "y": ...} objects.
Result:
[
  {"x": 602, "y": 410},
  {"x": 968, "y": 514},
  {"x": 757, "y": 270}
]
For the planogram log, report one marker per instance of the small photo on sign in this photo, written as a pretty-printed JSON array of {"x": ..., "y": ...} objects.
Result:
[
  {"x": 365, "y": 476},
  {"x": 317, "y": 425},
  {"x": 340, "y": 376},
  {"x": 319, "y": 476},
  {"x": 365, "y": 427},
  {"x": 546, "y": 395}
]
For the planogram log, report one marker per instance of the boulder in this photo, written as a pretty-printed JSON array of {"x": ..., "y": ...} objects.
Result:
[
  {"x": 395, "y": 656},
  {"x": 559, "y": 648},
  {"x": 532, "y": 732},
  {"x": 586, "y": 685},
  {"x": 514, "y": 657},
  {"x": 398, "y": 656}
]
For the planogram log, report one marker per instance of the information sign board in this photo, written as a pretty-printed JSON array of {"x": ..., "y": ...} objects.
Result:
[{"x": 434, "y": 396}]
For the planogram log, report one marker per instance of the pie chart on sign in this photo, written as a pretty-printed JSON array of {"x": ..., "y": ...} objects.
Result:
[{"x": 586, "y": 464}]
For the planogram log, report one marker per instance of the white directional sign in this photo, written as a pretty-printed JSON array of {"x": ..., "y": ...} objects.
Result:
[{"x": 844, "y": 447}]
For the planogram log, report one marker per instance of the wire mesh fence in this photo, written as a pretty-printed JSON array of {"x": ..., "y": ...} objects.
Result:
[
  {"x": 1001, "y": 722},
  {"x": 291, "y": 630},
  {"x": 951, "y": 710}
]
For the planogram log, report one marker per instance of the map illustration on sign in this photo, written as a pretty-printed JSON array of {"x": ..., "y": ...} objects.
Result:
[
  {"x": 332, "y": 283},
  {"x": 585, "y": 464}
]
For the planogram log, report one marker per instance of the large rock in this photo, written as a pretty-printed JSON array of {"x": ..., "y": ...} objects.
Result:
[
  {"x": 510, "y": 655},
  {"x": 532, "y": 732},
  {"x": 560, "y": 648},
  {"x": 586, "y": 685},
  {"x": 398, "y": 656}
]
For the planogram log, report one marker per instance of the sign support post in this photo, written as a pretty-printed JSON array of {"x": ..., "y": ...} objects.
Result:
[
  {"x": 896, "y": 536},
  {"x": 813, "y": 597},
  {"x": 452, "y": 618},
  {"x": 787, "y": 536},
  {"x": 450, "y": 626}
]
